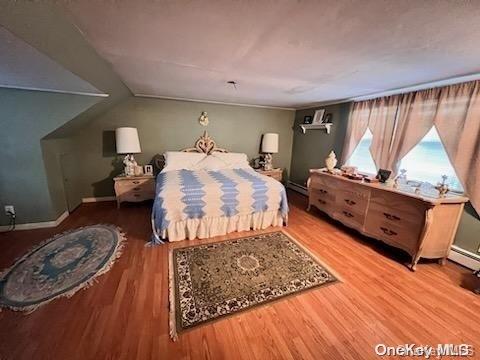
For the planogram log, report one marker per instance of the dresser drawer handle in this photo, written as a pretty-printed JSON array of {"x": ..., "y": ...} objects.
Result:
[
  {"x": 388, "y": 231},
  {"x": 136, "y": 182},
  {"x": 323, "y": 191},
  {"x": 136, "y": 195},
  {"x": 137, "y": 188},
  {"x": 350, "y": 202},
  {"x": 322, "y": 201},
  {"x": 347, "y": 214},
  {"x": 391, "y": 217}
]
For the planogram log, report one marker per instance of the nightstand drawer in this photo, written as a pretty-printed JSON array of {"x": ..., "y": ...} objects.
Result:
[
  {"x": 134, "y": 185},
  {"x": 134, "y": 189},
  {"x": 138, "y": 196},
  {"x": 275, "y": 173}
]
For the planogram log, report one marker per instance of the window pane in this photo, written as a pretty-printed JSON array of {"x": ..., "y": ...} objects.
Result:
[
  {"x": 428, "y": 161},
  {"x": 361, "y": 157}
]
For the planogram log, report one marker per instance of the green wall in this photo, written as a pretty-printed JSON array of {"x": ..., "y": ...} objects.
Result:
[
  {"x": 173, "y": 125},
  {"x": 310, "y": 149},
  {"x": 25, "y": 118}
]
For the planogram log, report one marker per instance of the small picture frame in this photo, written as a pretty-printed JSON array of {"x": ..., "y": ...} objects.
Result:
[
  {"x": 148, "y": 169},
  {"x": 383, "y": 175},
  {"x": 318, "y": 117},
  {"x": 328, "y": 119},
  {"x": 307, "y": 119}
]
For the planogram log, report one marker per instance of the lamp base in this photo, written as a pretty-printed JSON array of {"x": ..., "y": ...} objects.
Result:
[
  {"x": 130, "y": 165},
  {"x": 268, "y": 162}
]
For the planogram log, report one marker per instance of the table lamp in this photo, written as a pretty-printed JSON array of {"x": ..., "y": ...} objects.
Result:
[
  {"x": 127, "y": 142},
  {"x": 269, "y": 147}
]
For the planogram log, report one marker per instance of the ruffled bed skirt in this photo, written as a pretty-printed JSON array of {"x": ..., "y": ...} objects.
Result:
[{"x": 208, "y": 227}]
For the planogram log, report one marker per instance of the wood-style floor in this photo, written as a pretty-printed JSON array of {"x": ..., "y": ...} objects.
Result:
[{"x": 125, "y": 315}]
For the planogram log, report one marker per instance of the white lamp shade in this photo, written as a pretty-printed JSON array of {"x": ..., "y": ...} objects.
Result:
[
  {"x": 270, "y": 143},
  {"x": 127, "y": 141}
]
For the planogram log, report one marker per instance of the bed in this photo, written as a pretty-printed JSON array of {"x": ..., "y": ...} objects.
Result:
[{"x": 205, "y": 191}]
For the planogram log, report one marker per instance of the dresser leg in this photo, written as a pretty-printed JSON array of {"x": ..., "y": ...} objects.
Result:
[
  {"x": 413, "y": 264},
  {"x": 308, "y": 207},
  {"x": 442, "y": 261}
]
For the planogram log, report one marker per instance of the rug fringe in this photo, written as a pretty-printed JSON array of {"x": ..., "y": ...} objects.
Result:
[
  {"x": 90, "y": 282},
  {"x": 171, "y": 299}
]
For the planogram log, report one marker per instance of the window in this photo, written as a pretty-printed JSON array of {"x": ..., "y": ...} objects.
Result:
[
  {"x": 361, "y": 157},
  {"x": 428, "y": 161}
]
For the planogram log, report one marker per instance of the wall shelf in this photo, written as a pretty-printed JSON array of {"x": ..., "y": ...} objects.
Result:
[{"x": 306, "y": 127}]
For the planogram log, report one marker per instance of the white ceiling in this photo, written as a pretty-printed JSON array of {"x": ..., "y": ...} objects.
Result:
[
  {"x": 281, "y": 52},
  {"x": 24, "y": 67}
]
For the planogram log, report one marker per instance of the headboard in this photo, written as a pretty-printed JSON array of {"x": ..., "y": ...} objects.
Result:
[{"x": 206, "y": 145}]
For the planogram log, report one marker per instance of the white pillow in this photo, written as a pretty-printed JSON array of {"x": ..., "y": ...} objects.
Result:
[
  {"x": 210, "y": 162},
  {"x": 179, "y": 160},
  {"x": 233, "y": 160}
]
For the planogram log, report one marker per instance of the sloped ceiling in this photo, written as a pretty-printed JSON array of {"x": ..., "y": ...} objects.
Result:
[
  {"x": 281, "y": 53},
  {"x": 24, "y": 67}
]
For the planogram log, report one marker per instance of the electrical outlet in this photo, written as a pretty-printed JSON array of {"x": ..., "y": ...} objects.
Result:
[{"x": 9, "y": 209}]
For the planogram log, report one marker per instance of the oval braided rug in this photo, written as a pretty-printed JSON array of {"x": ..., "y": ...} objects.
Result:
[{"x": 60, "y": 266}]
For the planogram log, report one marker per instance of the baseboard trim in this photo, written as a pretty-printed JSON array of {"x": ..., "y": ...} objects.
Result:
[
  {"x": 298, "y": 188},
  {"x": 98, "y": 199},
  {"x": 463, "y": 257},
  {"x": 38, "y": 225}
]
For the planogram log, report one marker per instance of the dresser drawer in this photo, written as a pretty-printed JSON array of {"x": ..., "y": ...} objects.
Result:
[
  {"x": 352, "y": 201},
  {"x": 401, "y": 236},
  {"x": 397, "y": 208},
  {"x": 349, "y": 217},
  {"x": 321, "y": 202}
]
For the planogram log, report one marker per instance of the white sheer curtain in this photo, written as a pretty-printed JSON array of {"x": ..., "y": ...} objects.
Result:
[
  {"x": 357, "y": 125},
  {"x": 458, "y": 123}
]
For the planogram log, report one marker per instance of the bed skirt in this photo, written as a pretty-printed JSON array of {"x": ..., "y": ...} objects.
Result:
[{"x": 214, "y": 226}]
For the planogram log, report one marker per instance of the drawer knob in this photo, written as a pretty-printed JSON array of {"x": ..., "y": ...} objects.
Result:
[
  {"x": 323, "y": 191},
  {"x": 322, "y": 201},
  {"x": 137, "y": 188},
  {"x": 136, "y": 182},
  {"x": 348, "y": 214},
  {"x": 350, "y": 202},
  {"x": 391, "y": 217},
  {"x": 388, "y": 231}
]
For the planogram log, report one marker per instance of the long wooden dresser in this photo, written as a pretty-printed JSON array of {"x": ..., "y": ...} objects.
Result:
[{"x": 424, "y": 226}]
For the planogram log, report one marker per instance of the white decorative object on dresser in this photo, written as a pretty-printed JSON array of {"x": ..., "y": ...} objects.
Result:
[
  {"x": 424, "y": 226},
  {"x": 134, "y": 188}
]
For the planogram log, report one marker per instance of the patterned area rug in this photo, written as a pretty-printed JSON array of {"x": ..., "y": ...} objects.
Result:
[
  {"x": 60, "y": 266},
  {"x": 214, "y": 280}
]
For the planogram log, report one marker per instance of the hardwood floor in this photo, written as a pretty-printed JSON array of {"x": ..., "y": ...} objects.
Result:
[{"x": 125, "y": 315}]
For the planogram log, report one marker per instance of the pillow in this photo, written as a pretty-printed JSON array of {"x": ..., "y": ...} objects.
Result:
[
  {"x": 179, "y": 160},
  {"x": 210, "y": 162},
  {"x": 233, "y": 160}
]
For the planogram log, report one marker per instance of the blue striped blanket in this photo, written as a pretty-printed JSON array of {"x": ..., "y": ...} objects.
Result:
[{"x": 196, "y": 194}]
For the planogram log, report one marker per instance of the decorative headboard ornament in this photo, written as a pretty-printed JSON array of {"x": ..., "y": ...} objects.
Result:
[{"x": 206, "y": 145}]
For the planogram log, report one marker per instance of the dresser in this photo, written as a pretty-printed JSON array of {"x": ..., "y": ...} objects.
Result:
[
  {"x": 277, "y": 173},
  {"x": 423, "y": 226},
  {"x": 134, "y": 188}
]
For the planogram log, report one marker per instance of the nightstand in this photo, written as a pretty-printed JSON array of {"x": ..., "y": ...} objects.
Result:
[
  {"x": 274, "y": 173},
  {"x": 134, "y": 188}
]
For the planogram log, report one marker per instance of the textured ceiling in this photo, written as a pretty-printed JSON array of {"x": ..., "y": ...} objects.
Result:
[
  {"x": 24, "y": 67},
  {"x": 281, "y": 53}
]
